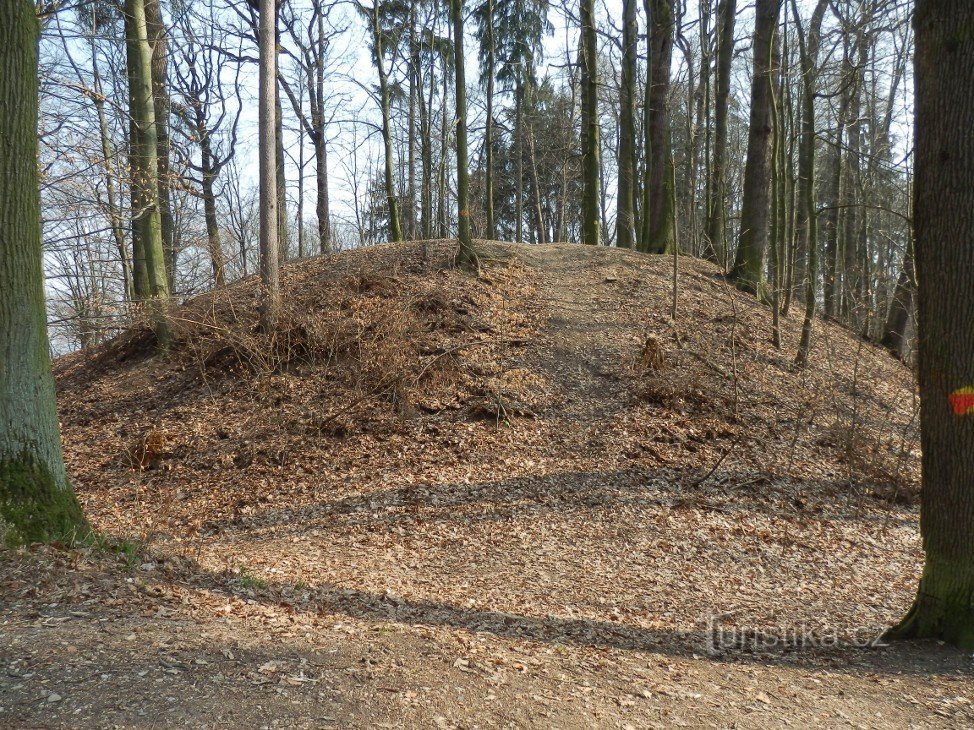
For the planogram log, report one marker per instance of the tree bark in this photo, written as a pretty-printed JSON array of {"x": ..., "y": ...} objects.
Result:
[
  {"x": 489, "y": 71},
  {"x": 395, "y": 229},
  {"x": 591, "y": 214},
  {"x": 36, "y": 500},
  {"x": 267, "y": 147},
  {"x": 661, "y": 212},
  {"x": 625, "y": 213},
  {"x": 894, "y": 332},
  {"x": 156, "y": 31},
  {"x": 146, "y": 217},
  {"x": 806, "y": 224},
  {"x": 944, "y": 219},
  {"x": 717, "y": 204},
  {"x": 467, "y": 257},
  {"x": 748, "y": 270}
]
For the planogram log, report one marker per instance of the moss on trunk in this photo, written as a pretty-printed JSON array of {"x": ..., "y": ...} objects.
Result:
[
  {"x": 944, "y": 606},
  {"x": 34, "y": 507}
]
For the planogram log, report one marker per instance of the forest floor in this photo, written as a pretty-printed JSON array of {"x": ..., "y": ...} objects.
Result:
[{"x": 525, "y": 499}]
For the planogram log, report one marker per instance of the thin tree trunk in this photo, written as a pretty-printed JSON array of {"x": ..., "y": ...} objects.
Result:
[
  {"x": 156, "y": 31},
  {"x": 267, "y": 150},
  {"x": 114, "y": 217},
  {"x": 208, "y": 175},
  {"x": 489, "y": 129},
  {"x": 644, "y": 227},
  {"x": 625, "y": 214},
  {"x": 806, "y": 223},
  {"x": 717, "y": 205},
  {"x": 894, "y": 332},
  {"x": 591, "y": 218},
  {"x": 145, "y": 168},
  {"x": 467, "y": 257},
  {"x": 395, "y": 229}
]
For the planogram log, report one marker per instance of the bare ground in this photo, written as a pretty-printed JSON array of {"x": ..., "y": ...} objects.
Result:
[{"x": 519, "y": 501}]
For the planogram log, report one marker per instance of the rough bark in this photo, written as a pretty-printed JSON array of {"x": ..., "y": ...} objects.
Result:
[
  {"x": 36, "y": 501},
  {"x": 661, "y": 213},
  {"x": 944, "y": 219},
  {"x": 156, "y": 31},
  {"x": 894, "y": 331},
  {"x": 717, "y": 203},
  {"x": 267, "y": 151},
  {"x": 146, "y": 215},
  {"x": 395, "y": 229},
  {"x": 748, "y": 270},
  {"x": 591, "y": 213},
  {"x": 466, "y": 257},
  {"x": 644, "y": 223},
  {"x": 625, "y": 212},
  {"x": 490, "y": 47},
  {"x": 806, "y": 224}
]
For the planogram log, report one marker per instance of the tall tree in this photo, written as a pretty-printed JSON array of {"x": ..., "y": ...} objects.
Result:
[
  {"x": 748, "y": 270},
  {"x": 591, "y": 194},
  {"x": 717, "y": 204},
  {"x": 488, "y": 59},
  {"x": 36, "y": 500},
  {"x": 806, "y": 224},
  {"x": 146, "y": 214},
  {"x": 267, "y": 146},
  {"x": 626, "y": 201},
  {"x": 659, "y": 218},
  {"x": 158, "y": 40},
  {"x": 944, "y": 219},
  {"x": 466, "y": 258},
  {"x": 385, "y": 104}
]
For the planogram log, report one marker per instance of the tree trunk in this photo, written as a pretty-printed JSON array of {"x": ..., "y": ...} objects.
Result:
[
  {"x": 146, "y": 218},
  {"x": 661, "y": 213},
  {"x": 267, "y": 149},
  {"x": 806, "y": 224},
  {"x": 644, "y": 224},
  {"x": 944, "y": 219},
  {"x": 114, "y": 216},
  {"x": 748, "y": 269},
  {"x": 36, "y": 501},
  {"x": 489, "y": 129},
  {"x": 156, "y": 31},
  {"x": 283, "y": 229},
  {"x": 467, "y": 257},
  {"x": 717, "y": 204},
  {"x": 894, "y": 332},
  {"x": 208, "y": 175},
  {"x": 395, "y": 230},
  {"x": 591, "y": 216},
  {"x": 625, "y": 214}
]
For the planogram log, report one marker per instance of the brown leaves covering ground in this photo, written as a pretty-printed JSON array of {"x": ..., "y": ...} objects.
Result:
[{"x": 509, "y": 501}]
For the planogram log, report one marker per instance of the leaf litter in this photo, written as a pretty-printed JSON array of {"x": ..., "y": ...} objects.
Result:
[{"x": 520, "y": 499}]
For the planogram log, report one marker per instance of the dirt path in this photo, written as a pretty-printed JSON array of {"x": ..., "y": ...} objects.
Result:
[{"x": 548, "y": 571}]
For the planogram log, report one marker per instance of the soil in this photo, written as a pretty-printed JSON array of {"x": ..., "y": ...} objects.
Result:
[{"x": 524, "y": 499}]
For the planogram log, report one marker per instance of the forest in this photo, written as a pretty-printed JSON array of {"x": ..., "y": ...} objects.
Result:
[{"x": 480, "y": 363}]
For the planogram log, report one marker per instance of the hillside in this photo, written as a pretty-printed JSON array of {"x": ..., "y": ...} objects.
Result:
[{"x": 514, "y": 500}]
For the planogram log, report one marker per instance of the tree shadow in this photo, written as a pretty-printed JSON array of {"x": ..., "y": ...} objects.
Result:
[
  {"x": 845, "y": 653},
  {"x": 729, "y": 491}
]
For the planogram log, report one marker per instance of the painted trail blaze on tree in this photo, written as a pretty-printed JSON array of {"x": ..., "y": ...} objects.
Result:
[
  {"x": 962, "y": 401},
  {"x": 943, "y": 220}
]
